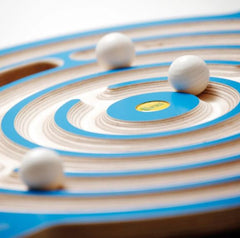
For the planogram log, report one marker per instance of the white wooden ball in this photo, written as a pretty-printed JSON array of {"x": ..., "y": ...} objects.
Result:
[
  {"x": 189, "y": 74},
  {"x": 42, "y": 169},
  {"x": 115, "y": 50}
]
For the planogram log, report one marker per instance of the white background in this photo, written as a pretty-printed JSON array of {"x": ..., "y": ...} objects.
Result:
[{"x": 23, "y": 21}]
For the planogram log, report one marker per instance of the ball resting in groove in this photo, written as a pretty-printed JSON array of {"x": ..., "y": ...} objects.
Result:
[
  {"x": 42, "y": 169},
  {"x": 189, "y": 74}
]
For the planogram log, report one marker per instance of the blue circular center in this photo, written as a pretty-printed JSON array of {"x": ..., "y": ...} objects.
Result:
[{"x": 125, "y": 109}]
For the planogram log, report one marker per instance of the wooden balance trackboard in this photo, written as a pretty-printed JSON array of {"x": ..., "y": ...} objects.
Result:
[{"x": 162, "y": 169}]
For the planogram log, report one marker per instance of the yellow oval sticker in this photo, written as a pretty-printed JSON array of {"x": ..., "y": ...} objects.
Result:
[{"x": 152, "y": 106}]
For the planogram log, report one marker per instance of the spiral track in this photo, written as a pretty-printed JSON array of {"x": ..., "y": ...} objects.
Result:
[{"x": 160, "y": 172}]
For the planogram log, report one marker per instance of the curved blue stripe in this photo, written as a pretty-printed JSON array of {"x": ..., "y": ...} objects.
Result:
[
  {"x": 167, "y": 36},
  {"x": 155, "y": 170},
  {"x": 162, "y": 189},
  {"x": 39, "y": 220},
  {"x": 61, "y": 120},
  {"x": 11, "y": 133},
  {"x": 64, "y": 55},
  {"x": 120, "y": 28},
  {"x": 68, "y": 63}
]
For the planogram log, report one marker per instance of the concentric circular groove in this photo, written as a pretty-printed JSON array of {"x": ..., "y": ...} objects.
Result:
[{"x": 135, "y": 168}]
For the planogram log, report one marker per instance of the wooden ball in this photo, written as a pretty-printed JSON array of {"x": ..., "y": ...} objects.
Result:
[
  {"x": 42, "y": 169},
  {"x": 115, "y": 50},
  {"x": 189, "y": 74}
]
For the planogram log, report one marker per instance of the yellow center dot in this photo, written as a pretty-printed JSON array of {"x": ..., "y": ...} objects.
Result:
[{"x": 152, "y": 106}]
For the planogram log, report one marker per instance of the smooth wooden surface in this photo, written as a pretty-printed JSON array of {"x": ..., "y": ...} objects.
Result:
[{"x": 36, "y": 123}]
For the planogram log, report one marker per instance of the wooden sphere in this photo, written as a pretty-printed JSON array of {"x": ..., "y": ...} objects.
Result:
[
  {"x": 189, "y": 74},
  {"x": 115, "y": 50},
  {"x": 42, "y": 169}
]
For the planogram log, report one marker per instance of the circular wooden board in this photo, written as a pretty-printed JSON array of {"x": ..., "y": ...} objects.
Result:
[{"x": 170, "y": 168}]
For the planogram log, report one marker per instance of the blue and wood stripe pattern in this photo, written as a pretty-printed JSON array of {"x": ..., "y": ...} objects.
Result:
[{"x": 123, "y": 164}]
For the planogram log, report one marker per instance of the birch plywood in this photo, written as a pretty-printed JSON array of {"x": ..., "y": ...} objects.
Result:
[{"x": 129, "y": 173}]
